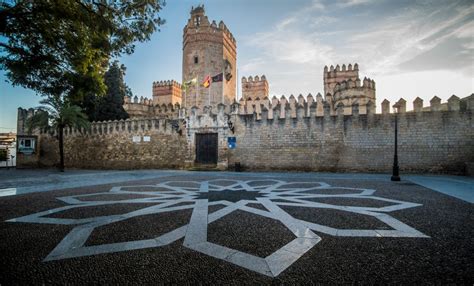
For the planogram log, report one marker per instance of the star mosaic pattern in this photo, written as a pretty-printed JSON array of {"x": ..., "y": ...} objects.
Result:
[{"x": 235, "y": 195}]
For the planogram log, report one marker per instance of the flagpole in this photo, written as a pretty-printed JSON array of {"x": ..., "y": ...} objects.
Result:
[
  {"x": 195, "y": 99},
  {"x": 237, "y": 80},
  {"x": 223, "y": 79},
  {"x": 209, "y": 94}
]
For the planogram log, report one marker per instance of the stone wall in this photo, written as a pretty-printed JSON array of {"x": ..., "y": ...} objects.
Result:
[
  {"x": 253, "y": 88},
  {"x": 301, "y": 139},
  {"x": 298, "y": 134},
  {"x": 167, "y": 92},
  {"x": 110, "y": 145}
]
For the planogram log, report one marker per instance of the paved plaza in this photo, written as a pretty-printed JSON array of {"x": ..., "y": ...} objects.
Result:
[{"x": 135, "y": 227}]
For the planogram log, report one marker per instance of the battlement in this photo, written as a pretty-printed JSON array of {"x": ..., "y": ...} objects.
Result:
[
  {"x": 454, "y": 103},
  {"x": 167, "y": 83},
  {"x": 334, "y": 75},
  {"x": 254, "y": 79},
  {"x": 349, "y": 84},
  {"x": 145, "y": 108},
  {"x": 331, "y": 71},
  {"x": 310, "y": 106},
  {"x": 166, "y": 92},
  {"x": 22, "y": 116},
  {"x": 342, "y": 86},
  {"x": 254, "y": 87},
  {"x": 199, "y": 23}
]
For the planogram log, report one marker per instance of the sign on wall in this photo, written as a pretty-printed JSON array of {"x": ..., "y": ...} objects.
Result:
[
  {"x": 231, "y": 142},
  {"x": 146, "y": 139},
  {"x": 136, "y": 139}
]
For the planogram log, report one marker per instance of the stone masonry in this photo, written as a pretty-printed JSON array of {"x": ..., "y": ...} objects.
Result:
[
  {"x": 208, "y": 49},
  {"x": 339, "y": 131},
  {"x": 254, "y": 88}
]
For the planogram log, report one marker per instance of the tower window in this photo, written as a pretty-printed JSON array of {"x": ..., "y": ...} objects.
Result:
[
  {"x": 197, "y": 20},
  {"x": 196, "y": 60}
]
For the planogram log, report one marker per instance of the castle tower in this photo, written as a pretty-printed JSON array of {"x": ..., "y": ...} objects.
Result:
[
  {"x": 253, "y": 88},
  {"x": 208, "y": 49},
  {"x": 342, "y": 86},
  {"x": 166, "y": 92},
  {"x": 334, "y": 75}
]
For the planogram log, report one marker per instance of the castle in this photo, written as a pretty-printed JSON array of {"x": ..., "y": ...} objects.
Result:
[
  {"x": 210, "y": 49},
  {"x": 187, "y": 125}
]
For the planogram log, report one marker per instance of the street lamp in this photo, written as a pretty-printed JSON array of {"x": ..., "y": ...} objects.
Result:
[{"x": 395, "y": 172}]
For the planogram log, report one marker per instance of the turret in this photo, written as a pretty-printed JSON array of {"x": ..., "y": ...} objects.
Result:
[
  {"x": 209, "y": 49},
  {"x": 253, "y": 88}
]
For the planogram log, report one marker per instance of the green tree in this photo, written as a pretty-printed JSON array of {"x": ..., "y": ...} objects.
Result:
[
  {"x": 62, "y": 48},
  {"x": 57, "y": 113},
  {"x": 110, "y": 107}
]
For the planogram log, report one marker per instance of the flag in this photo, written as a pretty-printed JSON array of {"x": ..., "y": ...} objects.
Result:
[
  {"x": 207, "y": 81},
  {"x": 218, "y": 77},
  {"x": 190, "y": 82}
]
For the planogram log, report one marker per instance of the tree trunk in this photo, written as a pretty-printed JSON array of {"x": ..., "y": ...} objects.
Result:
[{"x": 61, "y": 148}]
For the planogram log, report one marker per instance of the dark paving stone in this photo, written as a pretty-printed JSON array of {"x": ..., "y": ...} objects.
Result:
[
  {"x": 103, "y": 210},
  {"x": 331, "y": 192},
  {"x": 215, "y": 208},
  {"x": 114, "y": 197},
  {"x": 258, "y": 183},
  {"x": 146, "y": 189},
  {"x": 229, "y": 195},
  {"x": 355, "y": 202},
  {"x": 185, "y": 184},
  {"x": 249, "y": 233},
  {"x": 447, "y": 257},
  {"x": 299, "y": 185},
  {"x": 336, "y": 218},
  {"x": 138, "y": 228},
  {"x": 257, "y": 206}
]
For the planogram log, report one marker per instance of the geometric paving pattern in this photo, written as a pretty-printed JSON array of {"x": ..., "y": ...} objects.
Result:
[{"x": 200, "y": 195}]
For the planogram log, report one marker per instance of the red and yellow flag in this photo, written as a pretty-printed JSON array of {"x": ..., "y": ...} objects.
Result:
[{"x": 207, "y": 81}]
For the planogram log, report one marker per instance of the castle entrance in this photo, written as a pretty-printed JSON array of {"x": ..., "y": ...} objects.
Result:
[{"x": 206, "y": 148}]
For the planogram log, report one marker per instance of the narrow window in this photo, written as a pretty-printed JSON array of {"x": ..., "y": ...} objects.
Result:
[
  {"x": 197, "y": 21},
  {"x": 196, "y": 60}
]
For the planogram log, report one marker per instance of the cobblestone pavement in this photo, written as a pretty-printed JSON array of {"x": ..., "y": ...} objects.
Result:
[{"x": 172, "y": 227}]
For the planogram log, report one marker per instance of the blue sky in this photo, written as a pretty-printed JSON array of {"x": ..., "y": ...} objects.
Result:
[{"x": 410, "y": 48}]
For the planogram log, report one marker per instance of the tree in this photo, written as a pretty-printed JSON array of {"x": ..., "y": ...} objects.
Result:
[
  {"x": 62, "y": 48},
  {"x": 110, "y": 107},
  {"x": 57, "y": 113}
]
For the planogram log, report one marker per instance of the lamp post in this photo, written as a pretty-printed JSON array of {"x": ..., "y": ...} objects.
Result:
[{"x": 395, "y": 171}]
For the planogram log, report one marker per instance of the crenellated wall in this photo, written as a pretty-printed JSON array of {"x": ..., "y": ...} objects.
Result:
[
  {"x": 115, "y": 145},
  {"x": 343, "y": 88},
  {"x": 145, "y": 108},
  {"x": 167, "y": 92},
  {"x": 295, "y": 133},
  {"x": 299, "y": 134},
  {"x": 254, "y": 87}
]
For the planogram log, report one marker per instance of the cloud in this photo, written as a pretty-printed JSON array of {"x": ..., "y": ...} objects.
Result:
[
  {"x": 286, "y": 22},
  {"x": 322, "y": 20},
  {"x": 393, "y": 38},
  {"x": 317, "y": 5},
  {"x": 349, "y": 3},
  {"x": 415, "y": 33}
]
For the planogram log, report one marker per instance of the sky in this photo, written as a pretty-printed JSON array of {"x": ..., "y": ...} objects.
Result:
[{"x": 414, "y": 48}]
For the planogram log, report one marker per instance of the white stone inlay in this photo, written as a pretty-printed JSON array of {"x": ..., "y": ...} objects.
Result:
[{"x": 272, "y": 194}]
